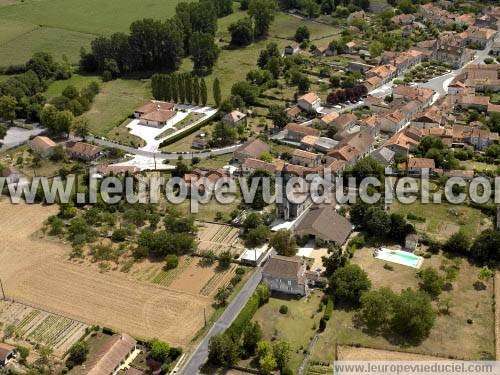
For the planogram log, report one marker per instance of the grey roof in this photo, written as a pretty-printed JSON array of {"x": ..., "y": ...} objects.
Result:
[
  {"x": 383, "y": 155},
  {"x": 325, "y": 143},
  {"x": 283, "y": 267},
  {"x": 325, "y": 223}
]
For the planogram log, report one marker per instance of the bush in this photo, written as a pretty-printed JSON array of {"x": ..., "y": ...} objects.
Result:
[
  {"x": 240, "y": 271},
  {"x": 322, "y": 324},
  {"x": 328, "y": 310},
  {"x": 78, "y": 353},
  {"x": 388, "y": 267},
  {"x": 119, "y": 235},
  {"x": 171, "y": 261},
  {"x": 283, "y": 309}
]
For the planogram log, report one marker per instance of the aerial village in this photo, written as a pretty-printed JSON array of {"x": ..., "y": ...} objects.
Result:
[{"x": 358, "y": 88}]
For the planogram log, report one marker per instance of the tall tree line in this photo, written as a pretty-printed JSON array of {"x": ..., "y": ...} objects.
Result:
[
  {"x": 179, "y": 87},
  {"x": 156, "y": 45}
]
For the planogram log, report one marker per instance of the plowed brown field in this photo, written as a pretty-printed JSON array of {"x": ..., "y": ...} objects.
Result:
[{"x": 36, "y": 271}]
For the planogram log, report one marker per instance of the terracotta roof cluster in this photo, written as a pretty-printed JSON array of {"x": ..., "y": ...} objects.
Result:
[
  {"x": 421, "y": 163},
  {"x": 253, "y": 148},
  {"x": 154, "y": 105},
  {"x": 86, "y": 149},
  {"x": 301, "y": 129}
]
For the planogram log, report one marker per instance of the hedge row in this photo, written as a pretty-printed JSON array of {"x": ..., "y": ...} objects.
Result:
[
  {"x": 328, "y": 309},
  {"x": 183, "y": 134},
  {"x": 258, "y": 298}
]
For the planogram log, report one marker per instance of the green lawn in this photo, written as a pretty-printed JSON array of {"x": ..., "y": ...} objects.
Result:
[
  {"x": 296, "y": 327},
  {"x": 442, "y": 220},
  {"x": 115, "y": 102},
  {"x": 79, "y": 81}
]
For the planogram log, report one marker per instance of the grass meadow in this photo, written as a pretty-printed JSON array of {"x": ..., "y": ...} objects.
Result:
[{"x": 62, "y": 27}]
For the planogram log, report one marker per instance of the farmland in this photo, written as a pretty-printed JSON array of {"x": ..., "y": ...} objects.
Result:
[
  {"x": 192, "y": 276},
  {"x": 40, "y": 274},
  {"x": 41, "y": 327},
  {"x": 63, "y": 27},
  {"x": 218, "y": 238}
]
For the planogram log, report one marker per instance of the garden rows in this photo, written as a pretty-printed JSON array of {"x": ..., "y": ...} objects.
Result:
[{"x": 37, "y": 326}]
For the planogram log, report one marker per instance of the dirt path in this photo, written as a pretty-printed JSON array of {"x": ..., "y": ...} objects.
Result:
[{"x": 36, "y": 271}]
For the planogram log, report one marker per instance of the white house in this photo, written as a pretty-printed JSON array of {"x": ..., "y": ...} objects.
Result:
[{"x": 309, "y": 102}]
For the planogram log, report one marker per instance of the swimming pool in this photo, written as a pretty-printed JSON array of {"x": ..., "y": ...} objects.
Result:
[{"x": 400, "y": 257}]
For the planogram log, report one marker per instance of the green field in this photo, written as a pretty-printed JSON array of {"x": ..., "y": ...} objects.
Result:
[
  {"x": 115, "y": 102},
  {"x": 64, "y": 26},
  {"x": 79, "y": 81}
]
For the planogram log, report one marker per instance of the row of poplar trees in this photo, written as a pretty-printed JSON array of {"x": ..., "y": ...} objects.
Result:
[{"x": 183, "y": 88}]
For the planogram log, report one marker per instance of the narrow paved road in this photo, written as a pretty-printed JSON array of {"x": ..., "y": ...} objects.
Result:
[{"x": 200, "y": 355}]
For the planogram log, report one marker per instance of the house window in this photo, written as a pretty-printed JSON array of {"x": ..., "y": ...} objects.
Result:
[{"x": 289, "y": 282}]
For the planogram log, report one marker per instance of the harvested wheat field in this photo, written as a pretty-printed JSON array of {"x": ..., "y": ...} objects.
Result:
[
  {"x": 497, "y": 314},
  {"x": 352, "y": 353},
  {"x": 36, "y": 271}
]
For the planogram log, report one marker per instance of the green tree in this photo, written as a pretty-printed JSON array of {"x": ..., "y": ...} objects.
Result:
[
  {"x": 262, "y": 12},
  {"x": 267, "y": 363},
  {"x": 203, "y": 92},
  {"x": 225, "y": 259},
  {"x": 81, "y": 127},
  {"x": 431, "y": 281},
  {"x": 257, "y": 236},
  {"x": 252, "y": 334},
  {"x": 159, "y": 350},
  {"x": 3, "y": 131},
  {"x": 241, "y": 32},
  {"x": 278, "y": 115},
  {"x": 302, "y": 33},
  {"x": 78, "y": 352},
  {"x": 485, "y": 274},
  {"x": 196, "y": 91},
  {"x": 222, "y": 351},
  {"x": 180, "y": 88},
  {"x": 8, "y": 106},
  {"x": 376, "y": 307},
  {"x": 171, "y": 261},
  {"x": 458, "y": 243},
  {"x": 281, "y": 352},
  {"x": 284, "y": 243},
  {"x": 222, "y": 295},
  {"x": 188, "y": 87},
  {"x": 63, "y": 122},
  {"x": 376, "y": 48},
  {"x": 413, "y": 315},
  {"x": 246, "y": 91},
  {"x": 204, "y": 53},
  {"x": 486, "y": 247},
  {"x": 217, "y": 92},
  {"x": 348, "y": 283}
]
